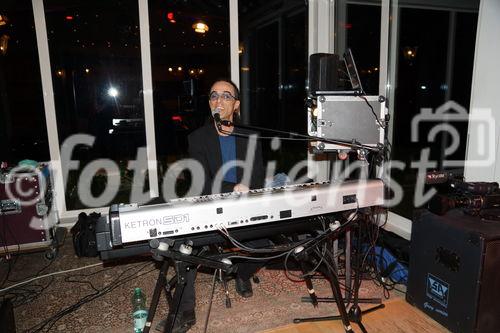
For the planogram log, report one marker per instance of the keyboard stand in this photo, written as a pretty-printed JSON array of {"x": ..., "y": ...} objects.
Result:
[{"x": 182, "y": 263}]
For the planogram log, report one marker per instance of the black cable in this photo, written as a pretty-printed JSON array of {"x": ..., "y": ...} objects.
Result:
[
  {"x": 33, "y": 276},
  {"x": 6, "y": 249},
  {"x": 368, "y": 251},
  {"x": 343, "y": 285},
  {"x": 89, "y": 298},
  {"x": 265, "y": 250},
  {"x": 45, "y": 267},
  {"x": 32, "y": 294},
  {"x": 301, "y": 277},
  {"x": 118, "y": 281},
  {"x": 321, "y": 255},
  {"x": 387, "y": 283},
  {"x": 373, "y": 112}
]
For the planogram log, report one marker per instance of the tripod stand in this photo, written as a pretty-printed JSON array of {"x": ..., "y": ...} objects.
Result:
[
  {"x": 182, "y": 262},
  {"x": 312, "y": 255}
]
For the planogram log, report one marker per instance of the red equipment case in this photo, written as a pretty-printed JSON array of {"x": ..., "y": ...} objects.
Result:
[{"x": 27, "y": 220}]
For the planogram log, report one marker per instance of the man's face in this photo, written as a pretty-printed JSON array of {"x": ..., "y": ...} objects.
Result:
[{"x": 222, "y": 96}]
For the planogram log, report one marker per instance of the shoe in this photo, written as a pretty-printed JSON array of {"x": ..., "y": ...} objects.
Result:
[
  {"x": 244, "y": 287},
  {"x": 182, "y": 323}
]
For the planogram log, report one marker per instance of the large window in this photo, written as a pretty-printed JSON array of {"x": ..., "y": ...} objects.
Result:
[
  {"x": 273, "y": 72},
  {"x": 358, "y": 28},
  {"x": 433, "y": 63},
  {"x": 23, "y": 131},
  {"x": 185, "y": 63},
  {"x": 96, "y": 74}
]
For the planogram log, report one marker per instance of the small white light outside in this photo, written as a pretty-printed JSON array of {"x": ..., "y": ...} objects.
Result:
[
  {"x": 113, "y": 92},
  {"x": 423, "y": 87},
  {"x": 170, "y": 69}
]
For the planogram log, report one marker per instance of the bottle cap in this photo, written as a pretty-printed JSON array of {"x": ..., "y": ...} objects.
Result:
[{"x": 137, "y": 290}]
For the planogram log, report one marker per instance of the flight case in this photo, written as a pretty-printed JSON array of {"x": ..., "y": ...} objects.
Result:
[{"x": 27, "y": 216}]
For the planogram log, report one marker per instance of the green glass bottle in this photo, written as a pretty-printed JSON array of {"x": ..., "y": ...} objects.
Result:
[{"x": 139, "y": 311}]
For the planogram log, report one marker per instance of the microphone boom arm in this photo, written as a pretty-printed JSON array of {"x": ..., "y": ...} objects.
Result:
[{"x": 348, "y": 144}]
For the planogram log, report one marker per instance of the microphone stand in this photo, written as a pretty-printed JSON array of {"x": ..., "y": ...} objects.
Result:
[{"x": 354, "y": 314}]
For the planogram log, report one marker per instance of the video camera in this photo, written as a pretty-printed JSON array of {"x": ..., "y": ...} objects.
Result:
[{"x": 473, "y": 197}]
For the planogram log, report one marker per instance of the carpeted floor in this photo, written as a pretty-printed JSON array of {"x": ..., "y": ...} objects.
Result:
[{"x": 276, "y": 300}]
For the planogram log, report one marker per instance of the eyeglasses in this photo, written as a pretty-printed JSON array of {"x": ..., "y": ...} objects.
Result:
[{"x": 226, "y": 96}]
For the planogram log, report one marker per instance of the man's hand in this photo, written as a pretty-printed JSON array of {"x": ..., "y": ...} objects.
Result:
[{"x": 240, "y": 188}]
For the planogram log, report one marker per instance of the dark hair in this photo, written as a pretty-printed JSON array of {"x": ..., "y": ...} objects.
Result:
[{"x": 236, "y": 90}]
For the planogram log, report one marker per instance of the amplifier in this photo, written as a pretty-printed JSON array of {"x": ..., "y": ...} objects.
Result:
[
  {"x": 323, "y": 72},
  {"x": 454, "y": 273}
]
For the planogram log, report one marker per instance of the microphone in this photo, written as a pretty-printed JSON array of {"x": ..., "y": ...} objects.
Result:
[
  {"x": 216, "y": 116},
  {"x": 218, "y": 121}
]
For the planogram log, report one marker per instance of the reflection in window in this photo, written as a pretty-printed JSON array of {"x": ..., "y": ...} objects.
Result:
[
  {"x": 363, "y": 37},
  {"x": 273, "y": 72},
  {"x": 96, "y": 71},
  {"x": 189, "y": 51},
  {"x": 23, "y": 131},
  {"x": 358, "y": 28},
  {"x": 434, "y": 65}
]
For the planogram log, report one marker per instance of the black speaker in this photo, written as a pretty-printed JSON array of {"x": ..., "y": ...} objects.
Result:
[
  {"x": 323, "y": 72},
  {"x": 8, "y": 324},
  {"x": 454, "y": 274}
]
